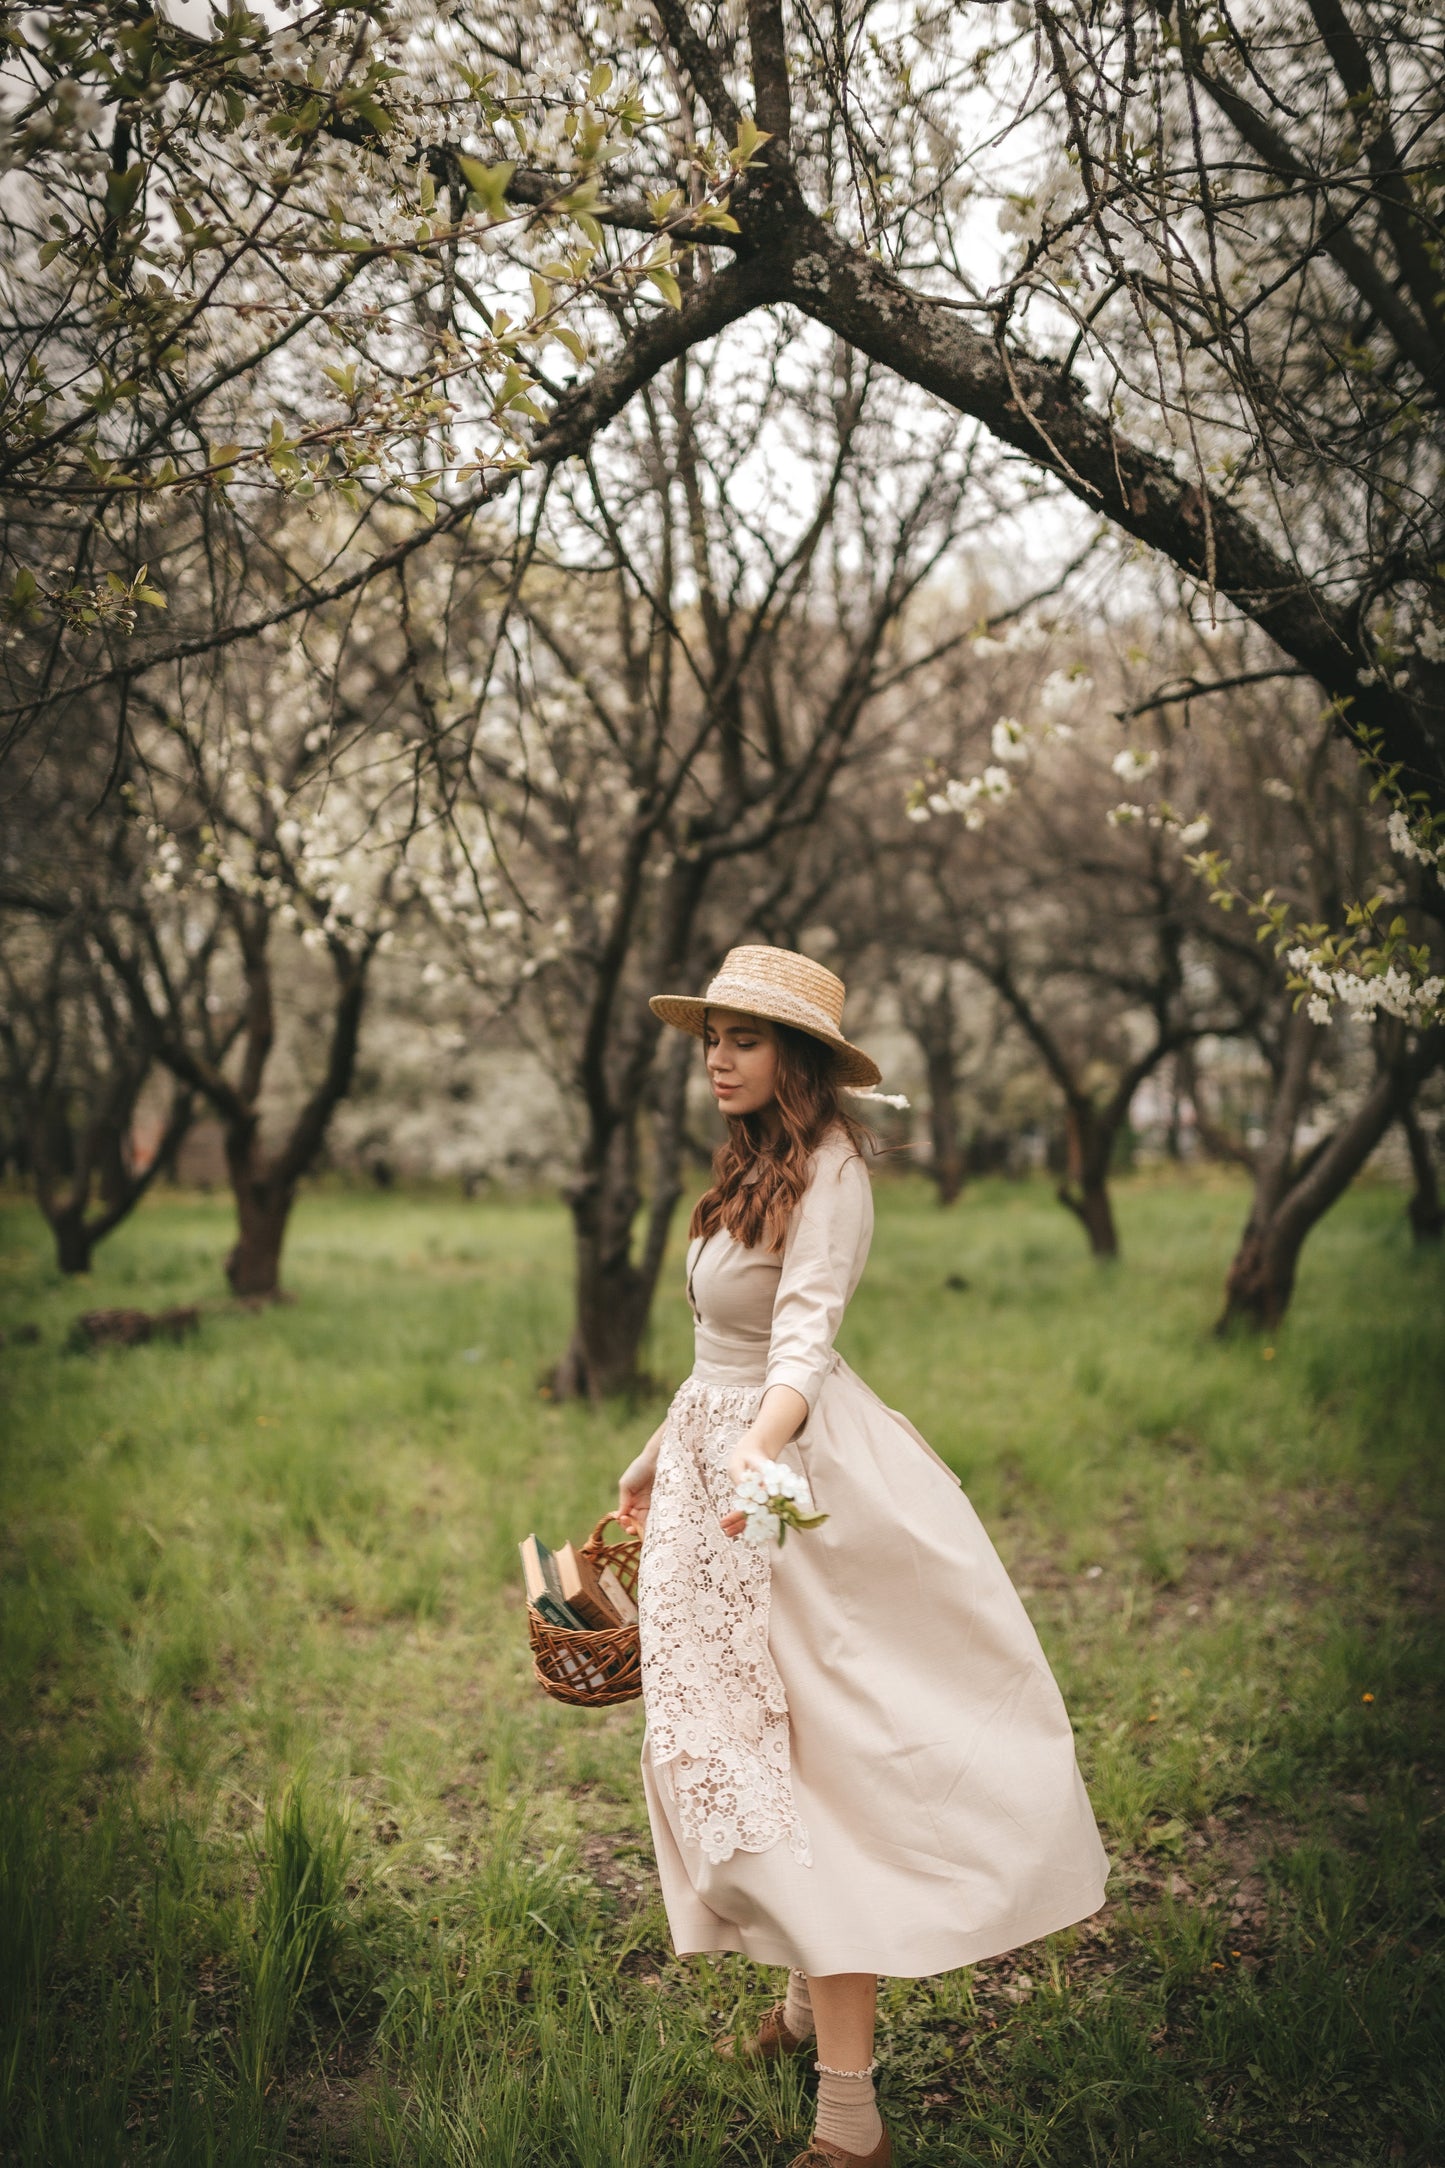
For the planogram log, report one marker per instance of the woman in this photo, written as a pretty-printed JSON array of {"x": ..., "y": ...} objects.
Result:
[{"x": 856, "y": 1759}]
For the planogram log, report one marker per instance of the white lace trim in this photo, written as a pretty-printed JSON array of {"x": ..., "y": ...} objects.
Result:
[{"x": 717, "y": 1716}]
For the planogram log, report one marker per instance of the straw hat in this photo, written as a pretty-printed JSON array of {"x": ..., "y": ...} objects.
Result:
[{"x": 784, "y": 987}]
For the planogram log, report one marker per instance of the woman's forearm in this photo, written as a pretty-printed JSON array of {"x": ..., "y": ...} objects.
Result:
[{"x": 781, "y": 1416}]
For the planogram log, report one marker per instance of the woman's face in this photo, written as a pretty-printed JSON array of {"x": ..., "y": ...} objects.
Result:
[{"x": 742, "y": 1061}]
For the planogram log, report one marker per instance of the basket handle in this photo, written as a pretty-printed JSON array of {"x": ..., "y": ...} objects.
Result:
[{"x": 594, "y": 1542}]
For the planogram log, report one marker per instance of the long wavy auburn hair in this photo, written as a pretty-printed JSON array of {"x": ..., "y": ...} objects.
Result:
[{"x": 756, "y": 1181}]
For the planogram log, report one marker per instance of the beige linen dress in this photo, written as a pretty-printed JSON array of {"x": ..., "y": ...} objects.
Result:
[{"x": 856, "y": 1758}]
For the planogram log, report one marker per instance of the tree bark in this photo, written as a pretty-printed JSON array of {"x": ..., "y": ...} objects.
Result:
[
  {"x": 932, "y": 1023},
  {"x": 1047, "y": 414},
  {"x": 74, "y": 1242},
  {"x": 263, "y": 1211},
  {"x": 67, "y": 1167},
  {"x": 622, "y": 1080},
  {"x": 1089, "y": 1144},
  {"x": 946, "y": 1162},
  {"x": 611, "y": 1301},
  {"x": 1288, "y": 1203},
  {"x": 264, "y": 1189},
  {"x": 1255, "y": 1286},
  {"x": 1427, "y": 1217}
]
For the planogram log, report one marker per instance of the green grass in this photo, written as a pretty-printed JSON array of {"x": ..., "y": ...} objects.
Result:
[{"x": 295, "y": 1864}]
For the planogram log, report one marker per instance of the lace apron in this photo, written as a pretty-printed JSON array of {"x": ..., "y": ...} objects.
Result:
[{"x": 717, "y": 1716}]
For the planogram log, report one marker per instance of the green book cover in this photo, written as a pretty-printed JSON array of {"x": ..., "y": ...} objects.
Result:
[{"x": 544, "y": 1590}]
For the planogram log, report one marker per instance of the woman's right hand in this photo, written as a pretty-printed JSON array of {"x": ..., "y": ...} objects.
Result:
[{"x": 634, "y": 1488}]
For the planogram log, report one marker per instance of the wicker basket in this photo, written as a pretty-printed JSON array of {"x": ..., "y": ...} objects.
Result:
[{"x": 598, "y": 1666}]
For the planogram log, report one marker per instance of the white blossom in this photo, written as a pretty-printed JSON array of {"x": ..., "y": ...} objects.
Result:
[
  {"x": 1132, "y": 766},
  {"x": 1406, "y": 845},
  {"x": 1062, "y": 690},
  {"x": 1008, "y": 741}
]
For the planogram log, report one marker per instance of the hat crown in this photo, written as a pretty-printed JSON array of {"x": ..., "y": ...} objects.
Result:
[{"x": 772, "y": 971}]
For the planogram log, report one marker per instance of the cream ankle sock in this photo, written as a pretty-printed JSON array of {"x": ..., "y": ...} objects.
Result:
[
  {"x": 798, "y": 2008},
  {"x": 848, "y": 2109}
]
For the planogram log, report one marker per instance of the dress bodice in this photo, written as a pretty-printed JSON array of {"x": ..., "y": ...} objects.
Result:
[
  {"x": 769, "y": 1316},
  {"x": 732, "y": 1291}
]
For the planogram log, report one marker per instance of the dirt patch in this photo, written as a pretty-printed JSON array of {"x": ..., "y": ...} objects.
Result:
[
  {"x": 619, "y": 1864},
  {"x": 332, "y": 2113}
]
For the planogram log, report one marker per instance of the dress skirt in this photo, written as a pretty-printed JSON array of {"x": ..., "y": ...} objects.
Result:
[{"x": 856, "y": 1758}]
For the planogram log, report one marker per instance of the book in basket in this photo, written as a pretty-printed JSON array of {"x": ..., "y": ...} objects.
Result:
[
  {"x": 593, "y": 1592},
  {"x": 544, "y": 1586}
]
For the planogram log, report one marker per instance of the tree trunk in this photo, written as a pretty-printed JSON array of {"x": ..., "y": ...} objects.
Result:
[
  {"x": 1427, "y": 1218},
  {"x": 263, "y": 1210},
  {"x": 946, "y": 1165},
  {"x": 613, "y": 1295},
  {"x": 253, "y": 1265},
  {"x": 932, "y": 1022},
  {"x": 1085, "y": 1187},
  {"x": 74, "y": 1241},
  {"x": 1261, "y": 1278}
]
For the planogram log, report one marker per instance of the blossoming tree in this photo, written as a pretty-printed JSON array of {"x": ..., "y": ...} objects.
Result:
[
  {"x": 266, "y": 805},
  {"x": 650, "y": 717}
]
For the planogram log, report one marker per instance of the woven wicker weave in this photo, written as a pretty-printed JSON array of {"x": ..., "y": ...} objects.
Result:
[
  {"x": 780, "y": 984},
  {"x": 597, "y": 1667}
]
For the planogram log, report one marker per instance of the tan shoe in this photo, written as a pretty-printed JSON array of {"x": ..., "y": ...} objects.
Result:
[
  {"x": 822, "y": 2153},
  {"x": 768, "y": 2044}
]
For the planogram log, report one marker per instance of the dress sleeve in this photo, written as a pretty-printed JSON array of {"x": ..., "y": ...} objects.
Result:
[{"x": 827, "y": 1241}]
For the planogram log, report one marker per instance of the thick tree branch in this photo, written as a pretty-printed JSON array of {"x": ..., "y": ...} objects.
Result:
[
  {"x": 700, "y": 64},
  {"x": 1047, "y": 416}
]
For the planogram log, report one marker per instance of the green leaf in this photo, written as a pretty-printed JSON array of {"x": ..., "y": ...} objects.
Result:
[
  {"x": 600, "y": 80},
  {"x": 666, "y": 285},
  {"x": 488, "y": 184},
  {"x": 121, "y": 190},
  {"x": 750, "y": 139},
  {"x": 370, "y": 111}
]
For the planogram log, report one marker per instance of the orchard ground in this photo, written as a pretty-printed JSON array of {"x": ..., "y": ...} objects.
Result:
[{"x": 299, "y": 1866}]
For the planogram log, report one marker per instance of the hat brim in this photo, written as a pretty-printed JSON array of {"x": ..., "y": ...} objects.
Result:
[{"x": 688, "y": 1012}]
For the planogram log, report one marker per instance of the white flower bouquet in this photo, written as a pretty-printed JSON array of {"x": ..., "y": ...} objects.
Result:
[{"x": 774, "y": 1498}]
